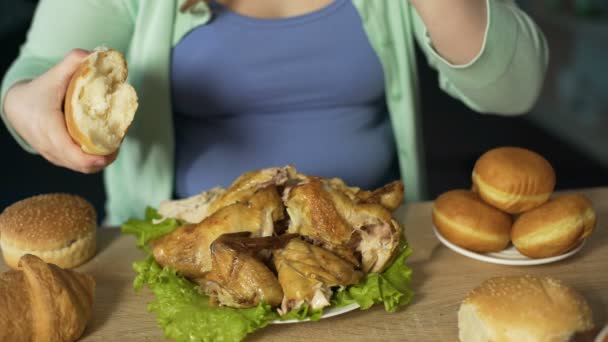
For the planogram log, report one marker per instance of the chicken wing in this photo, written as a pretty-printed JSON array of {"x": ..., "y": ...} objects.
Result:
[
  {"x": 238, "y": 277},
  {"x": 187, "y": 249},
  {"x": 307, "y": 273},
  {"x": 389, "y": 196}
]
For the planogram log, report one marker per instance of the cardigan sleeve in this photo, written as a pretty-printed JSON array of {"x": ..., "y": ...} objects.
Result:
[
  {"x": 59, "y": 26},
  {"x": 507, "y": 74}
]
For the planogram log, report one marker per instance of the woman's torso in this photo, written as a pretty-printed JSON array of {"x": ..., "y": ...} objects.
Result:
[{"x": 306, "y": 90}]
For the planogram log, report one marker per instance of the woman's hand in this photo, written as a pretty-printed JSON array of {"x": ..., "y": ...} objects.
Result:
[
  {"x": 456, "y": 27},
  {"x": 35, "y": 110}
]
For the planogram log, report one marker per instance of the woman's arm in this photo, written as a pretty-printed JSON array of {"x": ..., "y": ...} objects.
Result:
[
  {"x": 33, "y": 88},
  {"x": 502, "y": 73},
  {"x": 456, "y": 27},
  {"x": 58, "y": 27}
]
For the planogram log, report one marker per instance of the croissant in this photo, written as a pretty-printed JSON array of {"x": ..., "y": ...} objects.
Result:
[{"x": 43, "y": 302}]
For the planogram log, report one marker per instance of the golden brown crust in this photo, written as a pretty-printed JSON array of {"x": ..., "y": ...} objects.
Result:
[
  {"x": 555, "y": 227},
  {"x": 79, "y": 137},
  {"x": 465, "y": 220},
  {"x": 82, "y": 139},
  {"x": 72, "y": 255},
  {"x": 326, "y": 223},
  {"x": 524, "y": 308},
  {"x": 389, "y": 196},
  {"x": 42, "y": 302},
  {"x": 15, "y": 314},
  {"x": 513, "y": 179},
  {"x": 59, "y": 228}
]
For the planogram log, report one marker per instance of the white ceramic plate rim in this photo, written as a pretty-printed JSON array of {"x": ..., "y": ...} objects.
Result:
[
  {"x": 509, "y": 256},
  {"x": 326, "y": 314},
  {"x": 602, "y": 335}
]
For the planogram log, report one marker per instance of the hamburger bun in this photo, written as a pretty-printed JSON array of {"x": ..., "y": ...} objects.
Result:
[
  {"x": 555, "y": 227},
  {"x": 58, "y": 228},
  {"x": 99, "y": 105},
  {"x": 465, "y": 220},
  {"x": 523, "y": 308},
  {"x": 513, "y": 179}
]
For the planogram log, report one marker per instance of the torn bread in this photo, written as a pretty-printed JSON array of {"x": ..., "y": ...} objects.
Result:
[{"x": 99, "y": 104}]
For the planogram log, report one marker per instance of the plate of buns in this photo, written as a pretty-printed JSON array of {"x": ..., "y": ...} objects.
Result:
[
  {"x": 511, "y": 215},
  {"x": 508, "y": 256}
]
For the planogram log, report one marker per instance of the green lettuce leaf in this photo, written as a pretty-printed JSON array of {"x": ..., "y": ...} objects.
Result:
[
  {"x": 302, "y": 313},
  {"x": 185, "y": 314},
  {"x": 390, "y": 287},
  {"x": 145, "y": 230}
]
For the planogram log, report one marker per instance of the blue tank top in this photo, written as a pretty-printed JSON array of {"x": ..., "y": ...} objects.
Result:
[{"x": 252, "y": 93}]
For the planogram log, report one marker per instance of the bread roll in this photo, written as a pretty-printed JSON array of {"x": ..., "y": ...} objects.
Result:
[
  {"x": 555, "y": 227},
  {"x": 58, "y": 228},
  {"x": 465, "y": 220},
  {"x": 42, "y": 302},
  {"x": 522, "y": 308},
  {"x": 99, "y": 105},
  {"x": 513, "y": 179}
]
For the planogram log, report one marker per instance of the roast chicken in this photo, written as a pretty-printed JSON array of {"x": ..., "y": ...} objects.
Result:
[{"x": 279, "y": 237}]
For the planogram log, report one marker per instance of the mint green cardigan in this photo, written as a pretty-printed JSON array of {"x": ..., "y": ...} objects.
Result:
[{"x": 504, "y": 78}]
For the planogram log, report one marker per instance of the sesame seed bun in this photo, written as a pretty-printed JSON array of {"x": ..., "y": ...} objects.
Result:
[
  {"x": 555, "y": 227},
  {"x": 58, "y": 228},
  {"x": 465, "y": 220},
  {"x": 523, "y": 308},
  {"x": 513, "y": 179}
]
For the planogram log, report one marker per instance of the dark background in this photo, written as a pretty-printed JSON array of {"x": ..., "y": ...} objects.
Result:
[{"x": 454, "y": 136}]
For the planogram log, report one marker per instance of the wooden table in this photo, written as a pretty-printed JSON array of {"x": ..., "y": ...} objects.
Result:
[{"x": 441, "y": 279}]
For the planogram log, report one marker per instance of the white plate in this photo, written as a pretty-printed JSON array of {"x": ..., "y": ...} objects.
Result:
[
  {"x": 508, "y": 256},
  {"x": 326, "y": 314},
  {"x": 603, "y": 335}
]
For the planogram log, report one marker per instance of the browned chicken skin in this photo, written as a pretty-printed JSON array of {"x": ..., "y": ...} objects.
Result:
[
  {"x": 196, "y": 208},
  {"x": 188, "y": 248},
  {"x": 332, "y": 215},
  {"x": 307, "y": 273},
  {"x": 313, "y": 214},
  {"x": 248, "y": 184},
  {"x": 238, "y": 277}
]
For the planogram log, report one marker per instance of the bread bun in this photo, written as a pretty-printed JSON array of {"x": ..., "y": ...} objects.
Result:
[
  {"x": 58, "y": 228},
  {"x": 513, "y": 179},
  {"x": 523, "y": 308},
  {"x": 99, "y": 105},
  {"x": 555, "y": 227},
  {"x": 465, "y": 220}
]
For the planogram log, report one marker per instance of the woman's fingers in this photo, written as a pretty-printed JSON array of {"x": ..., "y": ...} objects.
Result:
[
  {"x": 68, "y": 153},
  {"x": 62, "y": 72}
]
